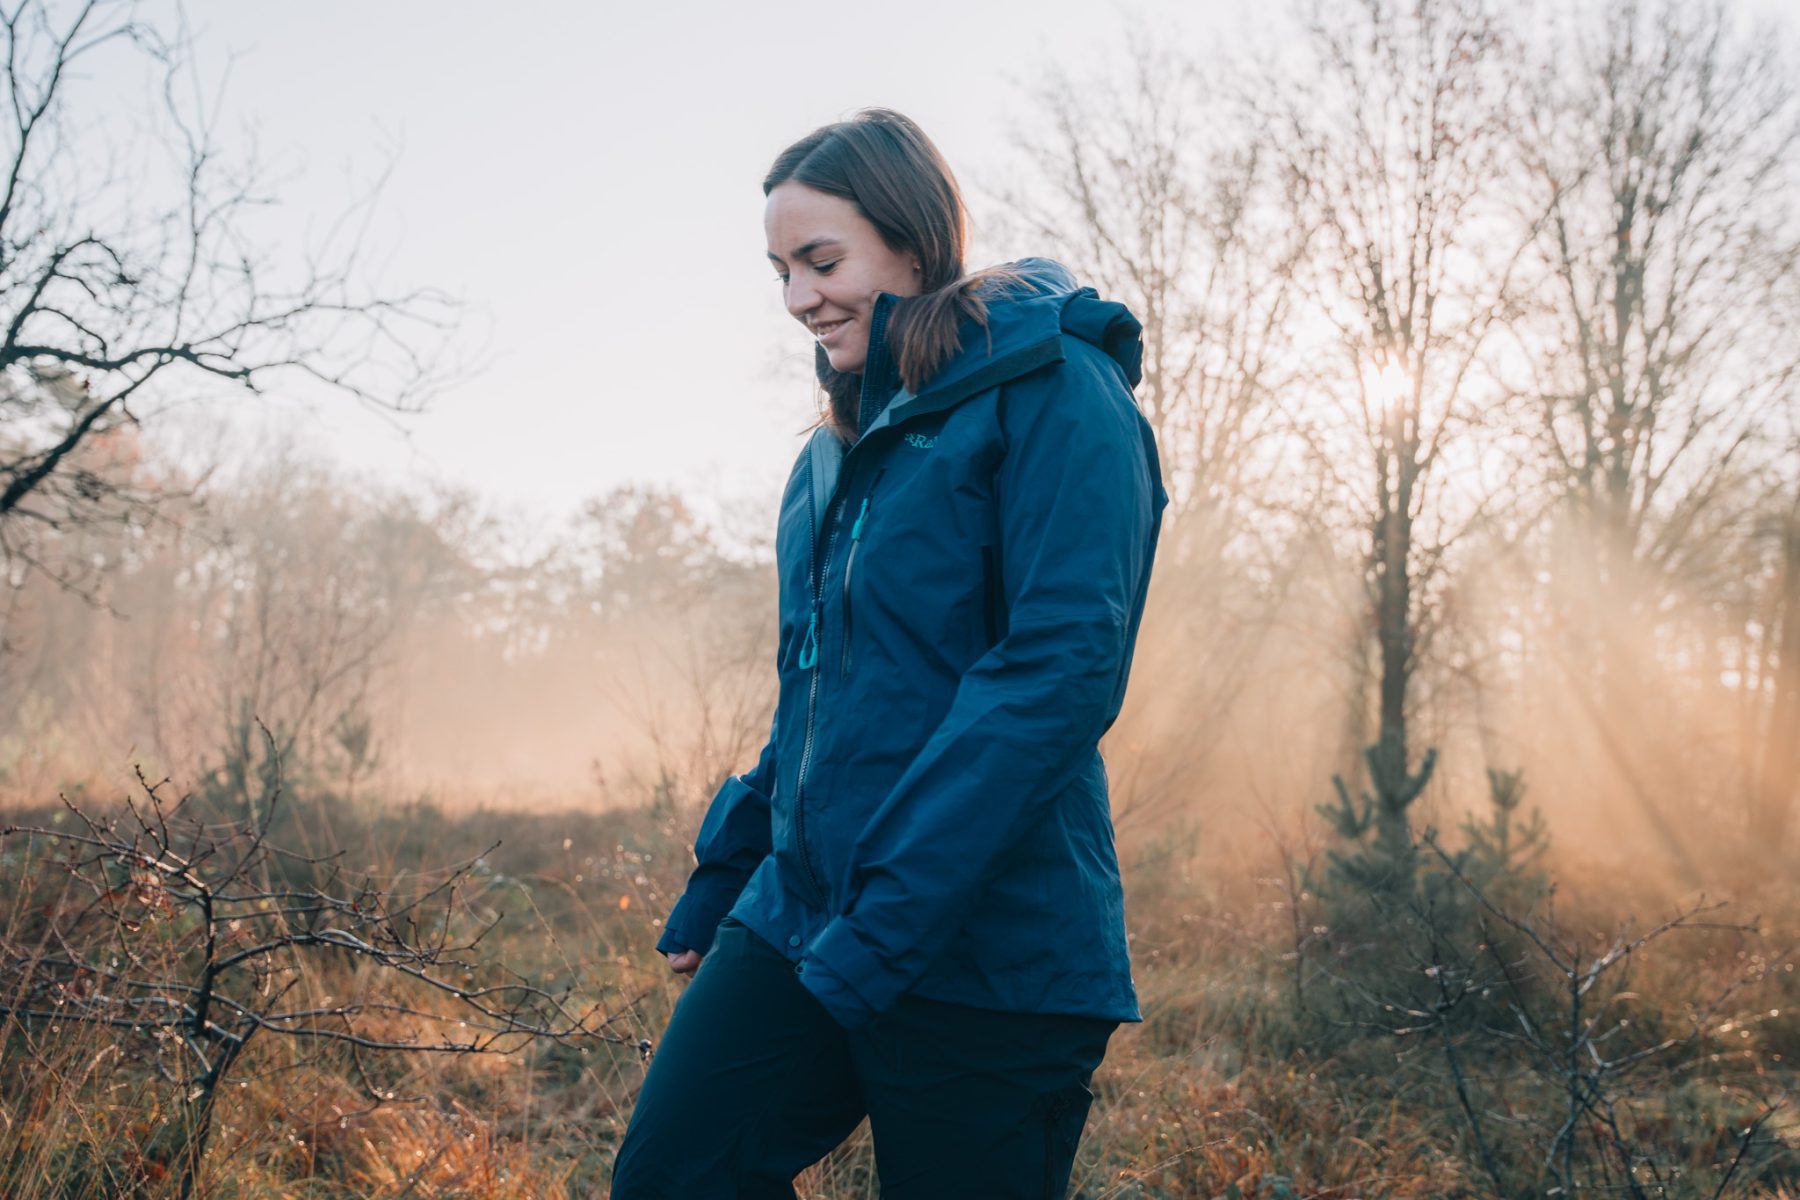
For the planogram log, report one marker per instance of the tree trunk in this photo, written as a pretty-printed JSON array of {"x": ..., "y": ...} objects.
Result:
[{"x": 1778, "y": 774}]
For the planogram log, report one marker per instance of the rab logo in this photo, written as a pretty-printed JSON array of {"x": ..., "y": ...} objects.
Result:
[{"x": 920, "y": 442}]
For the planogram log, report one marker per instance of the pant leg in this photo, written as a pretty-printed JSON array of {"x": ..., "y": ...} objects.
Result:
[
  {"x": 974, "y": 1104},
  {"x": 751, "y": 1084}
]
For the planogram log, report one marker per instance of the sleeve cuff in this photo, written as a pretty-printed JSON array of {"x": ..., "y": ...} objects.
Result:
[{"x": 694, "y": 920}]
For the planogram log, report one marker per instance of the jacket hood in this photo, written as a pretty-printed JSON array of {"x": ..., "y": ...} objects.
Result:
[
  {"x": 1027, "y": 316},
  {"x": 1044, "y": 302}
]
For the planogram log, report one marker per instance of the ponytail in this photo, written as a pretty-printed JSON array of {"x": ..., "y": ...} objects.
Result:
[{"x": 924, "y": 333}]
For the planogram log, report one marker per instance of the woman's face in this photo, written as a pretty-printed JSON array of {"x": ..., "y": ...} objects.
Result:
[{"x": 832, "y": 263}]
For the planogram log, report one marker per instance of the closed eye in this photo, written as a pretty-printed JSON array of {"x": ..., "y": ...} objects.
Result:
[{"x": 821, "y": 268}]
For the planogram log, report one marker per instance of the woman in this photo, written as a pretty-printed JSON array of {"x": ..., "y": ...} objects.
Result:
[{"x": 910, "y": 907}]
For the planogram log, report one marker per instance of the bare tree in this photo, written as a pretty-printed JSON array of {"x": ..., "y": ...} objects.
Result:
[
  {"x": 119, "y": 282},
  {"x": 1660, "y": 145},
  {"x": 1770, "y": 684},
  {"x": 1772, "y": 687},
  {"x": 1386, "y": 133},
  {"x": 1143, "y": 179},
  {"x": 1139, "y": 174}
]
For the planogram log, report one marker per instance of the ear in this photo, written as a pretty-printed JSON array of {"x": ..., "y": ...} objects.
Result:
[{"x": 915, "y": 264}]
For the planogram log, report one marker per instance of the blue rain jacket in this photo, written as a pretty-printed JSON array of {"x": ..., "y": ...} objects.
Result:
[{"x": 960, "y": 592}]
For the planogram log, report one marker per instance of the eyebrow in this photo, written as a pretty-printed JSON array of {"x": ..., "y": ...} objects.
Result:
[{"x": 803, "y": 251}]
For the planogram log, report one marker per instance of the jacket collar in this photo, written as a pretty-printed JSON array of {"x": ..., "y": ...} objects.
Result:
[
  {"x": 967, "y": 374},
  {"x": 1026, "y": 321}
]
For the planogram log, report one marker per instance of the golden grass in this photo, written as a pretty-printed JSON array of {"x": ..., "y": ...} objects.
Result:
[{"x": 1225, "y": 1090}]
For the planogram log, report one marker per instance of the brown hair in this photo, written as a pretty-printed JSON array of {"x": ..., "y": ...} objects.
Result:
[{"x": 883, "y": 163}]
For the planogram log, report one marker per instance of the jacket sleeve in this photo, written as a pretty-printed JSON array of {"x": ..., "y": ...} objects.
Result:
[
  {"x": 734, "y": 838},
  {"x": 1079, "y": 508}
]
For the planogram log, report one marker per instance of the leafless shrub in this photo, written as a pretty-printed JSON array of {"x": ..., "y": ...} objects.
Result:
[
  {"x": 1557, "y": 1058},
  {"x": 189, "y": 939}
]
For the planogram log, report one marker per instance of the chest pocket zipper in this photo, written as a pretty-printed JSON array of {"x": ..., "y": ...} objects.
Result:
[{"x": 856, "y": 532}]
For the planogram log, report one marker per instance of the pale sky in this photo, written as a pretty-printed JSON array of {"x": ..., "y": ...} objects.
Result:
[{"x": 585, "y": 177}]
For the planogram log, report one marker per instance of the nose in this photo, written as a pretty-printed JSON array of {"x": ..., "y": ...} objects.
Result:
[{"x": 802, "y": 296}]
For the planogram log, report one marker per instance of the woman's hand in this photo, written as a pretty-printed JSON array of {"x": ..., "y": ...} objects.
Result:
[{"x": 685, "y": 962}]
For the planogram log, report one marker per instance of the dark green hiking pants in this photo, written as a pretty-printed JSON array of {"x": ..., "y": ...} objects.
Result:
[{"x": 754, "y": 1081}]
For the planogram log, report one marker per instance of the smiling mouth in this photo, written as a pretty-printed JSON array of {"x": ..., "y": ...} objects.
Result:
[{"x": 825, "y": 329}]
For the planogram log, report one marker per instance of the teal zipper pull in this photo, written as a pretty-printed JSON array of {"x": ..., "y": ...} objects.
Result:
[
  {"x": 861, "y": 515},
  {"x": 809, "y": 649}
]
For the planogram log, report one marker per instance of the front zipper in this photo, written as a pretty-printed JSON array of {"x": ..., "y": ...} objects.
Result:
[
  {"x": 856, "y": 530},
  {"x": 809, "y": 661},
  {"x": 809, "y": 650}
]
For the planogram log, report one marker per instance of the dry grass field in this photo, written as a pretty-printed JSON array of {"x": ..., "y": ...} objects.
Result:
[{"x": 1251, "y": 1075}]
